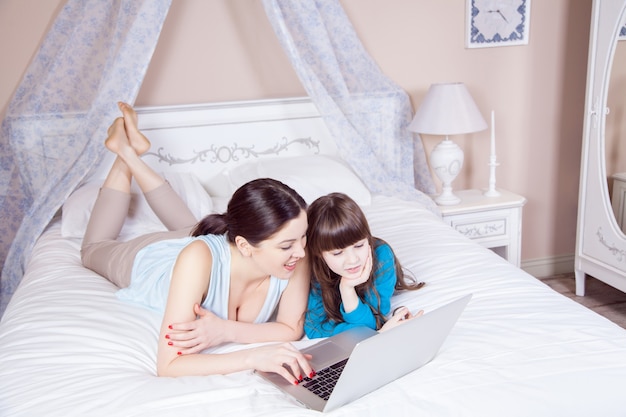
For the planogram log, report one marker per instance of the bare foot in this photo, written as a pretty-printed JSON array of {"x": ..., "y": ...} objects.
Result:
[
  {"x": 136, "y": 139},
  {"x": 117, "y": 141}
]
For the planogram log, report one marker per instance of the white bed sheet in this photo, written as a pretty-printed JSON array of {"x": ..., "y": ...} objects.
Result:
[{"x": 69, "y": 347}]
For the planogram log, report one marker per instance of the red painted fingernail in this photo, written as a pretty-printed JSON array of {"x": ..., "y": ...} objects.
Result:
[
  {"x": 296, "y": 382},
  {"x": 300, "y": 379},
  {"x": 167, "y": 336},
  {"x": 170, "y": 327},
  {"x": 170, "y": 343},
  {"x": 312, "y": 374},
  {"x": 178, "y": 353}
]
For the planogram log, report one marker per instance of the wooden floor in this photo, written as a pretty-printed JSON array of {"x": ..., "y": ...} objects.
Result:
[{"x": 600, "y": 297}]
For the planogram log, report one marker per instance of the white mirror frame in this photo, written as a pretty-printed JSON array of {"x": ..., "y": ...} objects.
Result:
[{"x": 600, "y": 243}]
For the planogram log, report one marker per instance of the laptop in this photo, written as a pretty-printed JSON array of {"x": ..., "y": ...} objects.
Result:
[{"x": 361, "y": 360}]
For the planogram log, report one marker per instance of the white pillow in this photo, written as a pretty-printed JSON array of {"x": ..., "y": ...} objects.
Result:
[
  {"x": 312, "y": 176},
  {"x": 141, "y": 219}
]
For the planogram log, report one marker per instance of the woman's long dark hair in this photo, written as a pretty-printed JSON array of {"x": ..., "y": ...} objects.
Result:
[
  {"x": 336, "y": 222},
  {"x": 256, "y": 211}
]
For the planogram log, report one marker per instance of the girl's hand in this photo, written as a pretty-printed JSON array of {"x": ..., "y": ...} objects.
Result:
[
  {"x": 400, "y": 316},
  {"x": 363, "y": 276},
  {"x": 205, "y": 331},
  {"x": 283, "y": 359},
  {"x": 349, "y": 297}
]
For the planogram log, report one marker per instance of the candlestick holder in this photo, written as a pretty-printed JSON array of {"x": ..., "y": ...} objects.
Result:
[{"x": 491, "y": 191}]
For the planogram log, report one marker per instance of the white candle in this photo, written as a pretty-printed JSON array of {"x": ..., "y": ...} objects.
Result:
[{"x": 493, "y": 133}]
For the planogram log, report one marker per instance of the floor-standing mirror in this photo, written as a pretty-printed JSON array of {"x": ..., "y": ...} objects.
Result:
[{"x": 600, "y": 241}]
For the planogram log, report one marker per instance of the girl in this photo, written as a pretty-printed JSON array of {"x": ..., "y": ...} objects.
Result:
[
  {"x": 351, "y": 284},
  {"x": 239, "y": 266}
]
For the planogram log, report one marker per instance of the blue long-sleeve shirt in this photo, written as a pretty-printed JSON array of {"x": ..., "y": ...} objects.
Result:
[{"x": 317, "y": 324}]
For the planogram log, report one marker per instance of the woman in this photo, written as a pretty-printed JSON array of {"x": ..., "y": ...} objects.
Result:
[
  {"x": 234, "y": 269},
  {"x": 354, "y": 273}
]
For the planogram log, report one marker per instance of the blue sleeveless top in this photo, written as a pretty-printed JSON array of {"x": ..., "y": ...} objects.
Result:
[{"x": 152, "y": 271}]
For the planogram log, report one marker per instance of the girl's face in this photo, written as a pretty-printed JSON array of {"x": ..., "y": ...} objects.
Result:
[
  {"x": 279, "y": 254},
  {"x": 348, "y": 262}
]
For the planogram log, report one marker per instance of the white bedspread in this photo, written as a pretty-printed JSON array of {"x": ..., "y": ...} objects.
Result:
[{"x": 69, "y": 347}]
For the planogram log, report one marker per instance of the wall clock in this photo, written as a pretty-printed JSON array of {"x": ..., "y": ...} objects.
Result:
[{"x": 497, "y": 23}]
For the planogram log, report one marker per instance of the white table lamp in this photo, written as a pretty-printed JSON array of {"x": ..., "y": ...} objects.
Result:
[{"x": 448, "y": 109}]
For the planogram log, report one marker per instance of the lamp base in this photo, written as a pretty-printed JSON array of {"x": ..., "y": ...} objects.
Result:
[
  {"x": 447, "y": 198},
  {"x": 447, "y": 160}
]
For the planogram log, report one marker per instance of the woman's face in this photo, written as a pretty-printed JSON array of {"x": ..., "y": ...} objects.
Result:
[
  {"x": 279, "y": 254},
  {"x": 348, "y": 262}
]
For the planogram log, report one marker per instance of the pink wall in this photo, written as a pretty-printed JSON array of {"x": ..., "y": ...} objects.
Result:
[{"x": 216, "y": 50}]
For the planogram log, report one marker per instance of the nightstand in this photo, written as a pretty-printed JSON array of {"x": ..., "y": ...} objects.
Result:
[{"x": 494, "y": 222}]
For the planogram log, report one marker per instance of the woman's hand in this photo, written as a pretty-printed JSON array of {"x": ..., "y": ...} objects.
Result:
[
  {"x": 205, "y": 331},
  {"x": 283, "y": 359},
  {"x": 400, "y": 316}
]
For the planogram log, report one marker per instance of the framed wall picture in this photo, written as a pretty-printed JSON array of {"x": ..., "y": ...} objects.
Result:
[{"x": 497, "y": 23}]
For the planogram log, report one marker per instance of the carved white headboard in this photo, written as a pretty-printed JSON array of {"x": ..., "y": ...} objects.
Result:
[{"x": 205, "y": 139}]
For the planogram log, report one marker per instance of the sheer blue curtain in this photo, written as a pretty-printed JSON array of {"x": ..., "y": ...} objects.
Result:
[
  {"x": 95, "y": 54},
  {"x": 365, "y": 111}
]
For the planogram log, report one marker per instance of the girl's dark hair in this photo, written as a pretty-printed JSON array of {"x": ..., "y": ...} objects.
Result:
[
  {"x": 335, "y": 222},
  {"x": 256, "y": 211}
]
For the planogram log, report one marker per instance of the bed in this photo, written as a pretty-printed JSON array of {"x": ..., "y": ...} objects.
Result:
[{"x": 69, "y": 347}]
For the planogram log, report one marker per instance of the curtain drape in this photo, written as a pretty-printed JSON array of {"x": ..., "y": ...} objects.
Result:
[
  {"x": 349, "y": 88},
  {"x": 95, "y": 54}
]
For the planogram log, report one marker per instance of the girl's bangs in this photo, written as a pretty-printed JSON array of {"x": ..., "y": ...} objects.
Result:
[{"x": 341, "y": 235}]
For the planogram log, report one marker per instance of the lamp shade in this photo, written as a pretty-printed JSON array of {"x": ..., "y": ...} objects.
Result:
[{"x": 447, "y": 109}]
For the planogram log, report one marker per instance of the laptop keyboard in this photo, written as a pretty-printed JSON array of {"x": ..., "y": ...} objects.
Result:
[{"x": 325, "y": 380}]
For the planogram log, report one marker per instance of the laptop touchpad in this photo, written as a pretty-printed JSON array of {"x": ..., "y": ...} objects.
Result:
[{"x": 326, "y": 353}]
